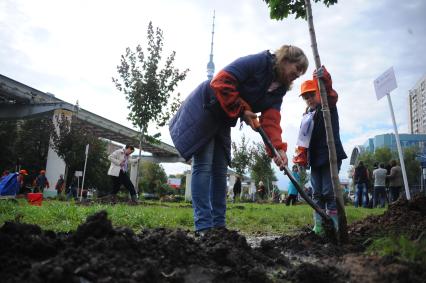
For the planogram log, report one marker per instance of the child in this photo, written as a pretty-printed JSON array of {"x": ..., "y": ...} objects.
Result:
[
  {"x": 292, "y": 191},
  {"x": 312, "y": 145}
]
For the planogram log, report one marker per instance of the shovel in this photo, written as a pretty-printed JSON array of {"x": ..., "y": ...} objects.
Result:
[{"x": 328, "y": 223}]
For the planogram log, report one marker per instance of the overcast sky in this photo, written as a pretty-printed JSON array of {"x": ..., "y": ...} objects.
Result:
[{"x": 72, "y": 48}]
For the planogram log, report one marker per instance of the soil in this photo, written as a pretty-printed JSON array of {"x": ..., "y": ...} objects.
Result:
[{"x": 98, "y": 252}]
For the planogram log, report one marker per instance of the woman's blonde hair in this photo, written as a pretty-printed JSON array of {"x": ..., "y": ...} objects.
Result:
[{"x": 292, "y": 54}]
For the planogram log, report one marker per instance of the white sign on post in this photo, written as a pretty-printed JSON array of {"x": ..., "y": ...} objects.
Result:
[
  {"x": 385, "y": 83},
  {"x": 78, "y": 173}
]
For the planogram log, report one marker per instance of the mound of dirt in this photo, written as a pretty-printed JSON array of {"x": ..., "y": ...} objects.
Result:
[
  {"x": 99, "y": 252},
  {"x": 402, "y": 218}
]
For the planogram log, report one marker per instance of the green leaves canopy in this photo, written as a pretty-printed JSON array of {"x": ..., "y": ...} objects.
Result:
[
  {"x": 280, "y": 9},
  {"x": 148, "y": 87}
]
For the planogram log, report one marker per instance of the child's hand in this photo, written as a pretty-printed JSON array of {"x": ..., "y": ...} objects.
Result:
[
  {"x": 301, "y": 156},
  {"x": 323, "y": 74}
]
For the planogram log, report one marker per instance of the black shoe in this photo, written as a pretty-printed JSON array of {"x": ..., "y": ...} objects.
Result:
[
  {"x": 221, "y": 229},
  {"x": 133, "y": 200}
]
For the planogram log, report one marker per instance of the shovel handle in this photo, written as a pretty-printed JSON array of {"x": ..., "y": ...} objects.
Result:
[{"x": 302, "y": 193}]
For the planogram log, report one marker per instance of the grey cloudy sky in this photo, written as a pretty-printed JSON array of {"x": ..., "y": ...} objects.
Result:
[{"x": 72, "y": 48}]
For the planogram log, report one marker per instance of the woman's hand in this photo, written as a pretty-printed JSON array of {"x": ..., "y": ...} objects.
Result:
[{"x": 248, "y": 117}]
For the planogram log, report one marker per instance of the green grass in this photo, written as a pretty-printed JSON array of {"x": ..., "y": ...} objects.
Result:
[
  {"x": 400, "y": 247},
  {"x": 248, "y": 218}
]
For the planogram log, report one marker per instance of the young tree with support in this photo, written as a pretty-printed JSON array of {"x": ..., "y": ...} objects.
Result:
[
  {"x": 280, "y": 9},
  {"x": 148, "y": 86}
]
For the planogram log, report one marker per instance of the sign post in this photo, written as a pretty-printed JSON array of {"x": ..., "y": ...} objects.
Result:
[
  {"x": 383, "y": 85},
  {"x": 78, "y": 174},
  {"x": 84, "y": 172}
]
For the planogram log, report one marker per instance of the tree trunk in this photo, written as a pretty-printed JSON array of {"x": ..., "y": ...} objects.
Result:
[{"x": 343, "y": 230}]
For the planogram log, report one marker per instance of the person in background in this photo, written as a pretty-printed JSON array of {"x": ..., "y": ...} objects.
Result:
[
  {"x": 252, "y": 191},
  {"x": 120, "y": 162},
  {"x": 388, "y": 170},
  {"x": 21, "y": 179},
  {"x": 361, "y": 179},
  {"x": 395, "y": 181},
  {"x": 41, "y": 182},
  {"x": 12, "y": 183},
  {"x": 25, "y": 182},
  {"x": 292, "y": 191},
  {"x": 276, "y": 194},
  {"x": 237, "y": 188},
  {"x": 4, "y": 174},
  {"x": 72, "y": 190},
  {"x": 60, "y": 184},
  {"x": 379, "y": 177},
  {"x": 261, "y": 190},
  {"x": 308, "y": 191},
  {"x": 201, "y": 128}
]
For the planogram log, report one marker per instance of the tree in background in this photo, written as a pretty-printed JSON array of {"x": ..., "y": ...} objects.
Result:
[
  {"x": 241, "y": 156},
  {"x": 25, "y": 143},
  {"x": 280, "y": 9},
  {"x": 69, "y": 142},
  {"x": 8, "y": 137},
  {"x": 153, "y": 177},
  {"x": 412, "y": 165},
  {"x": 384, "y": 154},
  {"x": 33, "y": 143},
  {"x": 147, "y": 86},
  {"x": 260, "y": 166}
]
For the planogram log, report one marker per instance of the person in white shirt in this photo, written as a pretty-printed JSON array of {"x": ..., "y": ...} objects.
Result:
[
  {"x": 379, "y": 176},
  {"x": 252, "y": 191},
  {"x": 120, "y": 162}
]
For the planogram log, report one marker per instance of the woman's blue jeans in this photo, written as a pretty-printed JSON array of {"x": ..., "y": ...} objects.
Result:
[{"x": 208, "y": 186}]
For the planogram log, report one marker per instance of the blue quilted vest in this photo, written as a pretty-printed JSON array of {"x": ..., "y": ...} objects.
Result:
[{"x": 201, "y": 118}]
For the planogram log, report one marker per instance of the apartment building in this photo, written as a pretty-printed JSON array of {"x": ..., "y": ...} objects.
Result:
[{"x": 417, "y": 107}]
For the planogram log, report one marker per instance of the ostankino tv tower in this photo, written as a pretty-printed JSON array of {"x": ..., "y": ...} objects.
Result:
[{"x": 210, "y": 64}]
